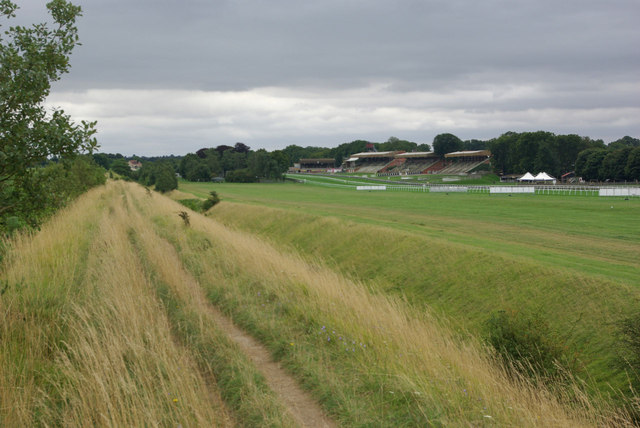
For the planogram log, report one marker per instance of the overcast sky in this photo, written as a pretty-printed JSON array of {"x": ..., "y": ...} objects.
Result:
[{"x": 170, "y": 76}]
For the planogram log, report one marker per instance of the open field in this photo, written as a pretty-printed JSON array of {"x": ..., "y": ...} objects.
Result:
[
  {"x": 118, "y": 314},
  {"x": 573, "y": 259}
]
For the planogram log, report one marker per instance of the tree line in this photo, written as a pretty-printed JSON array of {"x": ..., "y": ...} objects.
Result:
[
  {"x": 517, "y": 153},
  {"x": 512, "y": 153}
]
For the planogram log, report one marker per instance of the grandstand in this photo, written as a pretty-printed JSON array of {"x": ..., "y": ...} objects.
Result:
[
  {"x": 412, "y": 163},
  {"x": 417, "y": 162},
  {"x": 464, "y": 162},
  {"x": 369, "y": 162},
  {"x": 314, "y": 165}
]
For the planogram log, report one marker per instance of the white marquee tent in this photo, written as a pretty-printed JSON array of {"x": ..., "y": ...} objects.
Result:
[
  {"x": 527, "y": 177},
  {"x": 543, "y": 176}
]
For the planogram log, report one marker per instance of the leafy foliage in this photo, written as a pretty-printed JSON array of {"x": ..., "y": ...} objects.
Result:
[
  {"x": 31, "y": 58},
  {"x": 165, "y": 177},
  {"x": 446, "y": 143},
  {"x": 526, "y": 343},
  {"x": 47, "y": 189},
  {"x": 517, "y": 153},
  {"x": 632, "y": 170},
  {"x": 212, "y": 200}
]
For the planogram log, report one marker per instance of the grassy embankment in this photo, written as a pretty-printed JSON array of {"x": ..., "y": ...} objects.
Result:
[
  {"x": 571, "y": 259},
  {"x": 373, "y": 359},
  {"x": 111, "y": 327},
  {"x": 84, "y": 339}
]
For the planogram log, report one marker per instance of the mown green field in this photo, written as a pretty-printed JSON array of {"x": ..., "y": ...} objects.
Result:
[{"x": 573, "y": 259}]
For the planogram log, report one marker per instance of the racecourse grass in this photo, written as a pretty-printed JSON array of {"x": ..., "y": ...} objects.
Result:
[
  {"x": 468, "y": 255},
  {"x": 105, "y": 322}
]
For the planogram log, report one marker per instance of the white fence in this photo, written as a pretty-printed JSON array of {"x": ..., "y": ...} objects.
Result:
[
  {"x": 371, "y": 187},
  {"x": 620, "y": 191},
  {"x": 512, "y": 189},
  {"x": 447, "y": 189}
]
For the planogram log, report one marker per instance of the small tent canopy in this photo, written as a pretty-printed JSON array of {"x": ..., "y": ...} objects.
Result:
[
  {"x": 527, "y": 177},
  {"x": 543, "y": 176}
]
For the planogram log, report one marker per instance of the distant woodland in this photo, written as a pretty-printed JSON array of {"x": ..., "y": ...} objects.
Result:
[{"x": 512, "y": 153}]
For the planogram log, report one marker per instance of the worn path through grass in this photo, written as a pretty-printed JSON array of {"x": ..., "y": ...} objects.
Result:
[{"x": 162, "y": 258}]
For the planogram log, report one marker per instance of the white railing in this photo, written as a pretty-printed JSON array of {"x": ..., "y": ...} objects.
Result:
[{"x": 574, "y": 190}]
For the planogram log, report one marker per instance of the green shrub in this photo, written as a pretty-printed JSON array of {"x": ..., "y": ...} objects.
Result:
[
  {"x": 212, "y": 200},
  {"x": 526, "y": 343},
  {"x": 194, "y": 204}
]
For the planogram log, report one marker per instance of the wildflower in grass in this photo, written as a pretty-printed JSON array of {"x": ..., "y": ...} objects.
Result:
[
  {"x": 175, "y": 400},
  {"x": 291, "y": 343}
]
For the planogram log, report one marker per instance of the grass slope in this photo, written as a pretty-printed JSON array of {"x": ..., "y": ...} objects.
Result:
[
  {"x": 573, "y": 259},
  {"x": 105, "y": 322}
]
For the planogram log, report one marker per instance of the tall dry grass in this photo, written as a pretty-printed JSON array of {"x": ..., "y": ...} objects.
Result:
[
  {"x": 244, "y": 388},
  {"x": 42, "y": 274},
  {"x": 453, "y": 382},
  {"x": 114, "y": 361}
]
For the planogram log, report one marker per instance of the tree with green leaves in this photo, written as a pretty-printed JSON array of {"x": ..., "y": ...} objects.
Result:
[
  {"x": 614, "y": 163},
  {"x": 396, "y": 144},
  {"x": 165, "y": 177},
  {"x": 632, "y": 169},
  {"x": 446, "y": 143},
  {"x": 31, "y": 58},
  {"x": 589, "y": 163},
  {"x": 121, "y": 167},
  {"x": 263, "y": 165}
]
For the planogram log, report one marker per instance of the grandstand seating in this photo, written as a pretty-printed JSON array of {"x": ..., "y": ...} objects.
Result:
[
  {"x": 416, "y": 166},
  {"x": 371, "y": 167},
  {"x": 460, "y": 167},
  {"x": 393, "y": 167}
]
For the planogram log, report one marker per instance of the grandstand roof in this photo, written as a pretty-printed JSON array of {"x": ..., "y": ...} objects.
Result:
[
  {"x": 468, "y": 153},
  {"x": 416, "y": 155},
  {"x": 373, "y": 155}
]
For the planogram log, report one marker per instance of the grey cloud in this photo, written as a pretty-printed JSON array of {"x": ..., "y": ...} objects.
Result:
[
  {"x": 494, "y": 60},
  {"x": 239, "y": 45}
]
